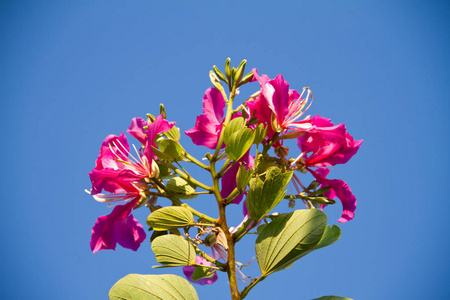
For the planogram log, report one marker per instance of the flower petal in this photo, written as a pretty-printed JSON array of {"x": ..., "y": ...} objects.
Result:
[
  {"x": 117, "y": 227},
  {"x": 189, "y": 270},
  {"x": 341, "y": 190}
]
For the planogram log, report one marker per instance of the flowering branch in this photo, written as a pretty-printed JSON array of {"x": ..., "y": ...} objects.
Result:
[{"x": 267, "y": 119}]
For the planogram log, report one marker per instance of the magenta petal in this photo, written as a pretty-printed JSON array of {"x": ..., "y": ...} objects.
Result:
[
  {"x": 341, "y": 190},
  {"x": 117, "y": 227},
  {"x": 136, "y": 129},
  {"x": 189, "y": 270},
  {"x": 158, "y": 126},
  {"x": 213, "y": 105},
  {"x": 205, "y": 133},
  {"x": 329, "y": 144},
  {"x": 229, "y": 178},
  {"x": 129, "y": 233},
  {"x": 209, "y": 125}
]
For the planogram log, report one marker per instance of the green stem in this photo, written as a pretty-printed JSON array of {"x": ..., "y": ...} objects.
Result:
[
  {"x": 197, "y": 213},
  {"x": 250, "y": 286},
  {"x": 196, "y": 161},
  {"x": 222, "y": 266},
  {"x": 244, "y": 230},
  {"x": 188, "y": 177},
  {"x": 225, "y": 165}
]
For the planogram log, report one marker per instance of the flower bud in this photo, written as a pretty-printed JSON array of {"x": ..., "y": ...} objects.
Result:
[
  {"x": 215, "y": 81},
  {"x": 155, "y": 170},
  {"x": 210, "y": 239}
]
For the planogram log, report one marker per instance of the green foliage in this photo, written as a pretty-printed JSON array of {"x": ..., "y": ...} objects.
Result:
[
  {"x": 202, "y": 272},
  {"x": 152, "y": 287},
  {"x": 181, "y": 188},
  {"x": 263, "y": 196},
  {"x": 234, "y": 126},
  {"x": 330, "y": 236},
  {"x": 171, "y": 149},
  {"x": 276, "y": 244},
  {"x": 243, "y": 177},
  {"x": 173, "y": 133},
  {"x": 239, "y": 143},
  {"x": 170, "y": 217},
  {"x": 260, "y": 133},
  {"x": 173, "y": 250}
]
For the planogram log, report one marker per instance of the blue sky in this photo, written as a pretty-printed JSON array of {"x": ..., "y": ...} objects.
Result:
[{"x": 72, "y": 73}]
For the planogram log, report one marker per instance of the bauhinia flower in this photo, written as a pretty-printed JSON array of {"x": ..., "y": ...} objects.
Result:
[
  {"x": 126, "y": 178},
  {"x": 279, "y": 106},
  {"x": 325, "y": 145},
  {"x": 209, "y": 125}
]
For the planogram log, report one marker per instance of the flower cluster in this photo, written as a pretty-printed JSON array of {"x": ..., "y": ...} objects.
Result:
[
  {"x": 250, "y": 160},
  {"x": 127, "y": 178}
]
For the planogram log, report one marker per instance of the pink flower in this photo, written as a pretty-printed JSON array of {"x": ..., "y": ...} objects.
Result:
[
  {"x": 339, "y": 189},
  {"x": 278, "y": 106},
  {"x": 209, "y": 125},
  {"x": 189, "y": 270},
  {"x": 118, "y": 227},
  {"x": 327, "y": 144},
  {"x": 126, "y": 178}
]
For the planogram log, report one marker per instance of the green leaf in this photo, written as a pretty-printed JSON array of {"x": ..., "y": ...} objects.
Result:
[
  {"x": 202, "y": 272},
  {"x": 233, "y": 126},
  {"x": 263, "y": 196},
  {"x": 173, "y": 133},
  {"x": 181, "y": 188},
  {"x": 260, "y": 133},
  {"x": 170, "y": 217},
  {"x": 152, "y": 287},
  {"x": 243, "y": 177},
  {"x": 278, "y": 239},
  {"x": 330, "y": 236},
  {"x": 239, "y": 143},
  {"x": 173, "y": 250},
  {"x": 171, "y": 148},
  {"x": 332, "y": 298}
]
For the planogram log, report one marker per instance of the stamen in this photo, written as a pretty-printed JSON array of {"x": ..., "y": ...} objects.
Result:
[{"x": 296, "y": 160}]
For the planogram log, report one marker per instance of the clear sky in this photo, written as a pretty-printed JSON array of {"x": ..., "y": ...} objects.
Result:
[{"x": 73, "y": 72}]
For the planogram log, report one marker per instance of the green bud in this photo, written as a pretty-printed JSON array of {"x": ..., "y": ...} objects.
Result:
[
  {"x": 220, "y": 74},
  {"x": 210, "y": 239},
  {"x": 240, "y": 72},
  {"x": 151, "y": 118},
  {"x": 162, "y": 110},
  {"x": 228, "y": 70},
  {"x": 215, "y": 81},
  {"x": 246, "y": 79}
]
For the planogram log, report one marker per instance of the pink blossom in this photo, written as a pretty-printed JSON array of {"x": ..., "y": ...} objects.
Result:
[
  {"x": 339, "y": 189},
  {"x": 125, "y": 177},
  {"x": 189, "y": 270},
  {"x": 118, "y": 227},
  {"x": 114, "y": 171},
  {"x": 209, "y": 125},
  {"x": 325, "y": 145},
  {"x": 278, "y": 106}
]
